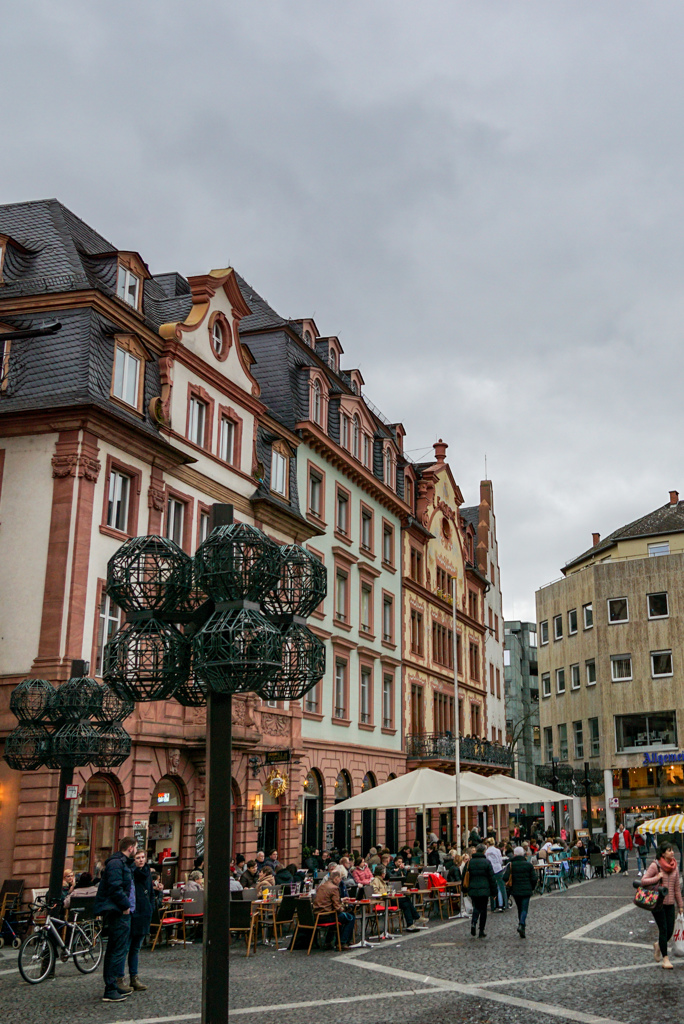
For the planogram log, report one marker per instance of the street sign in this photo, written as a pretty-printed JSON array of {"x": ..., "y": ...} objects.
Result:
[
  {"x": 71, "y": 793},
  {"x": 276, "y": 756},
  {"x": 614, "y": 803}
]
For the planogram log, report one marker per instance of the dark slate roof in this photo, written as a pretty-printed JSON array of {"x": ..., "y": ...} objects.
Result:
[
  {"x": 71, "y": 367},
  {"x": 262, "y": 315},
  {"x": 471, "y": 514},
  {"x": 666, "y": 519},
  {"x": 60, "y": 253}
]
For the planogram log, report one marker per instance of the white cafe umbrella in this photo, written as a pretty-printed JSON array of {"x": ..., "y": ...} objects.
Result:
[{"x": 519, "y": 792}]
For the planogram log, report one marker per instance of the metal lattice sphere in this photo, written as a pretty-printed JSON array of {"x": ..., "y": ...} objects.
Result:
[
  {"x": 237, "y": 563},
  {"x": 73, "y": 745},
  {"x": 146, "y": 660},
  {"x": 30, "y": 700},
  {"x": 80, "y": 697},
  {"x": 237, "y": 651},
  {"x": 302, "y": 585},
  {"x": 114, "y": 707},
  {"x": 114, "y": 745},
  {"x": 303, "y": 665},
  {"x": 27, "y": 746},
  {"x": 192, "y": 693},
  {"x": 149, "y": 573}
]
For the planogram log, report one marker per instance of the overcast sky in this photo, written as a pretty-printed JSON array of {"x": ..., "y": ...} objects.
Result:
[{"x": 483, "y": 200}]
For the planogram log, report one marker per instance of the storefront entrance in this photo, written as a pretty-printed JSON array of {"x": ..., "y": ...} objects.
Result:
[
  {"x": 312, "y": 834},
  {"x": 96, "y": 825},
  {"x": 342, "y": 819},
  {"x": 166, "y": 817}
]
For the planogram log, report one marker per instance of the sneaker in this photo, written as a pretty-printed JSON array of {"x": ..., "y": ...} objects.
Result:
[
  {"x": 423, "y": 921},
  {"x": 114, "y": 996},
  {"x": 639, "y": 873},
  {"x": 412, "y": 929}
]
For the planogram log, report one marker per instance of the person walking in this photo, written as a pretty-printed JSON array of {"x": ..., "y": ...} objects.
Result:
[
  {"x": 622, "y": 844},
  {"x": 523, "y": 882},
  {"x": 481, "y": 888},
  {"x": 639, "y": 848},
  {"x": 114, "y": 901},
  {"x": 141, "y": 916},
  {"x": 495, "y": 858},
  {"x": 663, "y": 871}
]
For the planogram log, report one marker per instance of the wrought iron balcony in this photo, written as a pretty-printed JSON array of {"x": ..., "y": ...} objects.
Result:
[{"x": 440, "y": 746}]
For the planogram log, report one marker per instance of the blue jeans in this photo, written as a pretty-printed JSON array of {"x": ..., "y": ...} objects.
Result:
[
  {"x": 479, "y": 912},
  {"x": 623, "y": 856},
  {"x": 118, "y": 937},
  {"x": 502, "y": 895},
  {"x": 641, "y": 857},
  {"x": 133, "y": 953},
  {"x": 346, "y": 927},
  {"x": 523, "y": 905}
]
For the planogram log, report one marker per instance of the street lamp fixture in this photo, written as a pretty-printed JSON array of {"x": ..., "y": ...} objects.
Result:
[{"x": 258, "y": 810}]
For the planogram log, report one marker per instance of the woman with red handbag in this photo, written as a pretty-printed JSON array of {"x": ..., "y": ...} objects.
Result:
[{"x": 663, "y": 871}]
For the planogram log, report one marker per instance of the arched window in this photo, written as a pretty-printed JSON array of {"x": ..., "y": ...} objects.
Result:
[
  {"x": 166, "y": 817},
  {"x": 217, "y": 338},
  {"x": 368, "y": 817},
  {"x": 367, "y": 451},
  {"x": 357, "y": 437},
  {"x": 332, "y": 360},
  {"x": 316, "y": 402},
  {"x": 96, "y": 824},
  {"x": 312, "y": 835},
  {"x": 342, "y": 821}
]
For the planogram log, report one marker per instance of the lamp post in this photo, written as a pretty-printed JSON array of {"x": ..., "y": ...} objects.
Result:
[{"x": 457, "y": 720}]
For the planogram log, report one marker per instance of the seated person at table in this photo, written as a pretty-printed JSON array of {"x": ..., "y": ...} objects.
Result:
[
  {"x": 373, "y": 857},
  {"x": 417, "y": 854},
  {"x": 195, "y": 882},
  {"x": 329, "y": 901},
  {"x": 381, "y": 888},
  {"x": 266, "y": 883},
  {"x": 362, "y": 874},
  {"x": 285, "y": 875},
  {"x": 347, "y": 865},
  {"x": 235, "y": 886},
  {"x": 248, "y": 879},
  {"x": 454, "y": 872},
  {"x": 434, "y": 859},
  {"x": 399, "y": 870}
]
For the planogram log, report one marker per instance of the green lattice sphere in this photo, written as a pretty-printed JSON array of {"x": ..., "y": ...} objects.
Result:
[
  {"x": 27, "y": 746},
  {"x": 30, "y": 700},
  {"x": 303, "y": 656},
  {"x": 114, "y": 707},
  {"x": 146, "y": 660},
  {"x": 237, "y": 563},
  {"x": 302, "y": 583},
  {"x": 72, "y": 745},
  {"x": 78, "y": 698},
  {"x": 237, "y": 651},
  {"x": 114, "y": 745},
  {"x": 150, "y": 573},
  {"x": 192, "y": 693}
]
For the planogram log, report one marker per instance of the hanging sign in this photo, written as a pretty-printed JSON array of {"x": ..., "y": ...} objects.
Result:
[
  {"x": 276, "y": 756},
  {"x": 71, "y": 793}
]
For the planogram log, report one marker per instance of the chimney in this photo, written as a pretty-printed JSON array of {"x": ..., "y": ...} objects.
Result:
[
  {"x": 595, "y": 538},
  {"x": 674, "y": 497},
  {"x": 440, "y": 450}
]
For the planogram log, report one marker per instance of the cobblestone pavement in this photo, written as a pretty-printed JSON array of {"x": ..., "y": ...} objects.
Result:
[{"x": 587, "y": 958}]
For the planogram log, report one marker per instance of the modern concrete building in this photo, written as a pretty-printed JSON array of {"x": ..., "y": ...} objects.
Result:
[
  {"x": 522, "y": 697},
  {"x": 611, "y": 666}
]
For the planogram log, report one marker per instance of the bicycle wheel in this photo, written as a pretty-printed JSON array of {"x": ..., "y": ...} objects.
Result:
[
  {"x": 36, "y": 958},
  {"x": 87, "y": 947}
]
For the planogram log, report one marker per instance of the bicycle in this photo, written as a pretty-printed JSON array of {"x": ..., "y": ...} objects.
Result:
[{"x": 38, "y": 953}]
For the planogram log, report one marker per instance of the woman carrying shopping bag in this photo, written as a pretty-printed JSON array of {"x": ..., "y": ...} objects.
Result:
[{"x": 663, "y": 871}]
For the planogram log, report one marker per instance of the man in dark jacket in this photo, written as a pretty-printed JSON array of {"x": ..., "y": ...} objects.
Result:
[
  {"x": 433, "y": 856},
  {"x": 115, "y": 900},
  {"x": 523, "y": 883},
  {"x": 481, "y": 888},
  {"x": 140, "y": 918}
]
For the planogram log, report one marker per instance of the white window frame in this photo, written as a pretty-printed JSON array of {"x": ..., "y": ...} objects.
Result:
[
  {"x": 614, "y": 659},
  {"x": 197, "y": 421},
  {"x": 659, "y": 548},
  {"x": 342, "y": 513},
  {"x": 217, "y": 339},
  {"x": 588, "y": 609},
  {"x": 575, "y": 677},
  {"x": 126, "y": 376},
  {"x": 278, "y": 472},
  {"x": 227, "y": 435},
  {"x": 578, "y": 739},
  {"x": 546, "y": 684},
  {"x": 109, "y": 621},
  {"x": 366, "y": 523},
  {"x": 366, "y": 607},
  {"x": 316, "y": 402},
  {"x": 340, "y": 707},
  {"x": 203, "y": 526},
  {"x": 618, "y": 622},
  {"x": 661, "y": 675},
  {"x": 125, "y": 278},
  {"x": 544, "y": 632},
  {"x": 558, "y": 627},
  {"x": 587, "y": 663},
  {"x": 387, "y": 700},
  {"x": 118, "y": 500},
  {"x": 341, "y": 584},
  {"x": 560, "y": 678},
  {"x": 388, "y": 545},
  {"x": 387, "y": 619},
  {"x": 315, "y": 491},
  {"x": 175, "y": 519},
  {"x": 648, "y": 604},
  {"x": 365, "y": 686},
  {"x": 563, "y": 742},
  {"x": 594, "y": 740},
  {"x": 571, "y": 631}
]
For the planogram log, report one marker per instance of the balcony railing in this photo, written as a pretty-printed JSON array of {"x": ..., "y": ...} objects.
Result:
[{"x": 440, "y": 746}]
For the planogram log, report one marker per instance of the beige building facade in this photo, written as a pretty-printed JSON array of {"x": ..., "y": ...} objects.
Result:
[{"x": 611, "y": 665}]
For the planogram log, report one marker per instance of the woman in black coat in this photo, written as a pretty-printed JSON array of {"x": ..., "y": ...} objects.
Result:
[
  {"x": 141, "y": 916},
  {"x": 523, "y": 883},
  {"x": 481, "y": 888}
]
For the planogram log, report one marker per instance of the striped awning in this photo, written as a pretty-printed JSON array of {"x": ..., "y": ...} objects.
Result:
[{"x": 661, "y": 826}]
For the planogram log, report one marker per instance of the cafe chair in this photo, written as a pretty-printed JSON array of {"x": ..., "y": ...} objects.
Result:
[
  {"x": 312, "y": 920},
  {"x": 285, "y": 916},
  {"x": 394, "y": 916},
  {"x": 249, "y": 894},
  {"x": 243, "y": 922},
  {"x": 170, "y": 919},
  {"x": 193, "y": 910}
]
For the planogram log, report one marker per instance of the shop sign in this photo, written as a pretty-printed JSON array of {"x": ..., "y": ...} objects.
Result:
[
  {"x": 199, "y": 837},
  {"x": 71, "y": 793},
  {"x": 140, "y": 833},
  {"x": 676, "y": 757}
]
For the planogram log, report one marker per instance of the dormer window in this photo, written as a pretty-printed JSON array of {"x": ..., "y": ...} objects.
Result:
[
  {"x": 388, "y": 467},
  {"x": 345, "y": 432},
  {"x": 316, "y": 402},
  {"x": 332, "y": 360},
  {"x": 356, "y": 431},
  {"x": 280, "y": 465},
  {"x": 217, "y": 340},
  {"x": 126, "y": 376},
  {"x": 367, "y": 451},
  {"x": 355, "y": 387},
  {"x": 128, "y": 286}
]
